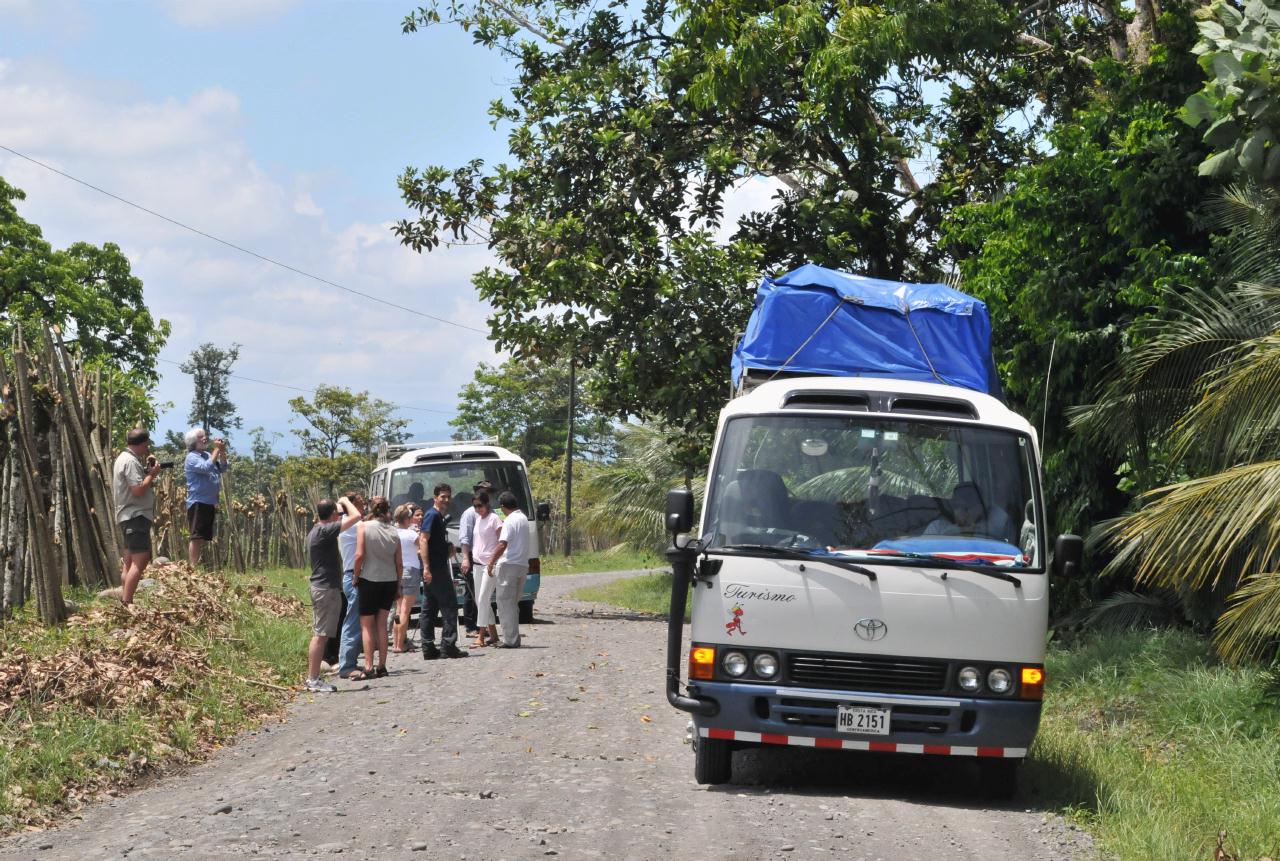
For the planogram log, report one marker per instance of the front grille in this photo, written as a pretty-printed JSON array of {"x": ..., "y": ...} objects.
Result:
[
  {"x": 904, "y": 718},
  {"x": 889, "y": 675}
]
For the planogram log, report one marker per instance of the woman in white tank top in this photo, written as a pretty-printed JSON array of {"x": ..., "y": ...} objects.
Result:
[{"x": 408, "y": 518}]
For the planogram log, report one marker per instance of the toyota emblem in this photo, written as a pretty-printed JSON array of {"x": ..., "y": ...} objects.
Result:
[{"x": 870, "y": 629}]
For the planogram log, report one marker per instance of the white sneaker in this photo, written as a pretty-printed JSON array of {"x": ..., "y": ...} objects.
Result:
[{"x": 316, "y": 686}]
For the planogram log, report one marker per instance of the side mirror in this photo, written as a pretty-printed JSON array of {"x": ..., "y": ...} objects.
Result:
[
  {"x": 679, "y": 511},
  {"x": 1068, "y": 551},
  {"x": 542, "y": 511}
]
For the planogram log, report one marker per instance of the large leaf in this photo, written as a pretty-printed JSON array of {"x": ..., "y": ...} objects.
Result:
[{"x": 1222, "y": 164}]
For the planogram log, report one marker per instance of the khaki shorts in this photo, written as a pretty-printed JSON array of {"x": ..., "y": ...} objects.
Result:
[{"x": 326, "y": 610}]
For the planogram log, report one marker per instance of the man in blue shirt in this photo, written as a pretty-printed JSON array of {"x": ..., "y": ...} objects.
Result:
[
  {"x": 204, "y": 471},
  {"x": 437, "y": 578}
]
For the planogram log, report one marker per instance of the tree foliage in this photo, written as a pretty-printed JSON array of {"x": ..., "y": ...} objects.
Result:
[
  {"x": 630, "y": 124},
  {"x": 1203, "y": 384},
  {"x": 525, "y": 406},
  {"x": 211, "y": 405},
  {"x": 91, "y": 295},
  {"x": 1083, "y": 244},
  {"x": 340, "y": 432},
  {"x": 1239, "y": 49},
  {"x": 89, "y": 292}
]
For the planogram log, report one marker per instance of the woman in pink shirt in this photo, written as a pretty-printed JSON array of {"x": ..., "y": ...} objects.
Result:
[{"x": 484, "y": 543}]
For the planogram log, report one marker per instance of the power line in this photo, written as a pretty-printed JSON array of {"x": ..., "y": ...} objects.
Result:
[
  {"x": 241, "y": 248},
  {"x": 305, "y": 390}
]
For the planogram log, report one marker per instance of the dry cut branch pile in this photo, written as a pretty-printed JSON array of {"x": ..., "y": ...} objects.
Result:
[
  {"x": 148, "y": 652},
  {"x": 150, "y": 657}
]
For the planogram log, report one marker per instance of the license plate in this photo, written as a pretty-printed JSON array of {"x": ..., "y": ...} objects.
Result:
[{"x": 862, "y": 720}]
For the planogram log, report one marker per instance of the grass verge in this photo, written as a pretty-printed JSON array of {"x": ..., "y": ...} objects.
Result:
[
  {"x": 1155, "y": 747},
  {"x": 647, "y": 593},
  {"x": 621, "y": 558},
  {"x": 1147, "y": 741},
  {"x": 91, "y": 706}
]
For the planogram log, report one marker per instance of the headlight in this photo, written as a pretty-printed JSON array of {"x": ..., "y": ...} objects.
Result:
[
  {"x": 735, "y": 663},
  {"x": 999, "y": 681},
  {"x": 970, "y": 678},
  {"x": 766, "y": 665}
]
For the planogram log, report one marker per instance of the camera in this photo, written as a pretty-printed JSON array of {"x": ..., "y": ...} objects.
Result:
[
  {"x": 166, "y": 464},
  {"x": 163, "y": 464}
]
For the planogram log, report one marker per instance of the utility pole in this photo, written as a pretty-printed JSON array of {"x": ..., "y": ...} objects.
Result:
[{"x": 568, "y": 459}]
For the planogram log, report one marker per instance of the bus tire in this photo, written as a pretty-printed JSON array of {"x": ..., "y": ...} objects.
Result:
[
  {"x": 526, "y": 612},
  {"x": 712, "y": 761},
  {"x": 999, "y": 778}
]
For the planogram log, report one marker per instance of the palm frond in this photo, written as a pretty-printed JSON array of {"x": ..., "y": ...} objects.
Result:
[
  {"x": 1251, "y": 216},
  {"x": 634, "y": 488},
  {"x": 1250, "y": 628},
  {"x": 1198, "y": 532},
  {"x": 1125, "y": 611},
  {"x": 1157, "y": 381},
  {"x": 1238, "y": 417}
]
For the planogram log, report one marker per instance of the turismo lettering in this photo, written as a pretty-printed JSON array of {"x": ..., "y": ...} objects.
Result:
[{"x": 739, "y": 592}]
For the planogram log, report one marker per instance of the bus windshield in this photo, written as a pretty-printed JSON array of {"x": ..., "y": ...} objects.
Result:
[
  {"x": 875, "y": 487},
  {"x": 416, "y": 483}
]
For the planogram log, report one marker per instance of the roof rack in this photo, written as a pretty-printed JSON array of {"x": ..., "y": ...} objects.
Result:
[{"x": 389, "y": 451}]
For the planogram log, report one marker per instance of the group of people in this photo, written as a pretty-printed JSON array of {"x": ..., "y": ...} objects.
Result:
[
  {"x": 133, "y": 477},
  {"x": 375, "y": 560},
  {"x": 366, "y": 560}
]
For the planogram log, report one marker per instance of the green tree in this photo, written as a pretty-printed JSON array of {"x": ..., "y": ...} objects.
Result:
[
  {"x": 630, "y": 124},
  {"x": 525, "y": 406},
  {"x": 211, "y": 405},
  {"x": 90, "y": 294},
  {"x": 87, "y": 291},
  {"x": 340, "y": 433}
]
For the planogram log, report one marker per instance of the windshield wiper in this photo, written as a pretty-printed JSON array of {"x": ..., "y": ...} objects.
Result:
[
  {"x": 794, "y": 553},
  {"x": 942, "y": 561}
]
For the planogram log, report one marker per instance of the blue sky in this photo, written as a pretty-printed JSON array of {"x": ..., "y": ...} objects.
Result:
[{"x": 277, "y": 125}]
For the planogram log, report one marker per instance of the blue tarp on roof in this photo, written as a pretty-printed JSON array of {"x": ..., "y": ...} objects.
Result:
[{"x": 829, "y": 323}]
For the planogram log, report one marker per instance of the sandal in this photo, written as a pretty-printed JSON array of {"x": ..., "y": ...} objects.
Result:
[
  {"x": 381, "y": 673},
  {"x": 359, "y": 675}
]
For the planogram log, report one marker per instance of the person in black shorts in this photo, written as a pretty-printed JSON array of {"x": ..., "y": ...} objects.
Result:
[
  {"x": 134, "y": 472},
  {"x": 378, "y": 568},
  {"x": 203, "y": 470}
]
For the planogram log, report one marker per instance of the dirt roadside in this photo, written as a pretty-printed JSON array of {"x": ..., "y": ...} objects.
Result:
[{"x": 565, "y": 747}]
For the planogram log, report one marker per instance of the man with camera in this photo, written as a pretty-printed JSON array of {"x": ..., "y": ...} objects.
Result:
[
  {"x": 204, "y": 482},
  {"x": 132, "y": 476}
]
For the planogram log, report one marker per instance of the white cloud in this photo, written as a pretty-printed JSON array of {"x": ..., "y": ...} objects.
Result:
[
  {"x": 304, "y": 204},
  {"x": 223, "y": 13},
  {"x": 187, "y": 158}
]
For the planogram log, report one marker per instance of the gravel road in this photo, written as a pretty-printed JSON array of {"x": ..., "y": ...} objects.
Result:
[{"x": 565, "y": 747}]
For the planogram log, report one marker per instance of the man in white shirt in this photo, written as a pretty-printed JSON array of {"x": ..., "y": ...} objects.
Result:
[{"x": 510, "y": 565}]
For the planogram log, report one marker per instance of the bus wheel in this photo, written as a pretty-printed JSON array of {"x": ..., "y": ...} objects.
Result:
[
  {"x": 999, "y": 778},
  {"x": 712, "y": 761},
  {"x": 526, "y": 612}
]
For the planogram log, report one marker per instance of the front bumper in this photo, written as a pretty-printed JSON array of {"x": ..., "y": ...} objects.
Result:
[{"x": 806, "y": 717}]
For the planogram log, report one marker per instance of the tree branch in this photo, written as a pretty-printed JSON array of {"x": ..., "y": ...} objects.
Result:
[
  {"x": 524, "y": 22},
  {"x": 1037, "y": 42}
]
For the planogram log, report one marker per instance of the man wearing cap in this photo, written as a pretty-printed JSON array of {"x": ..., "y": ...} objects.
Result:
[
  {"x": 466, "y": 536},
  {"x": 132, "y": 476}
]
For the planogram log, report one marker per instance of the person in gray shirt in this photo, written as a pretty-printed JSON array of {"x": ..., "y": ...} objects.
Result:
[{"x": 132, "y": 476}]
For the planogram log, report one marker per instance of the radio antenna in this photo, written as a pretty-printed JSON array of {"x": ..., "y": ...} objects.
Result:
[{"x": 1044, "y": 419}]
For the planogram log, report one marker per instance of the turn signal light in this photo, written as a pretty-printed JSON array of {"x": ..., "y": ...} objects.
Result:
[
  {"x": 1032, "y": 683},
  {"x": 702, "y": 662}
]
